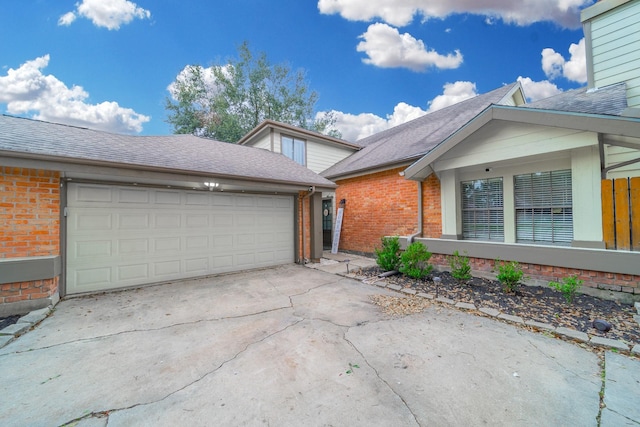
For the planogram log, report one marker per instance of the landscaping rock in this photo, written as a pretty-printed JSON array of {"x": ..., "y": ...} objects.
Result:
[
  {"x": 16, "y": 329},
  {"x": 395, "y": 287},
  {"x": 427, "y": 296},
  {"x": 35, "y": 316},
  {"x": 445, "y": 300},
  {"x": 540, "y": 325},
  {"x": 466, "y": 306},
  {"x": 6, "y": 339},
  {"x": 510, "y": 318},
  {"x": 408, "y": 291}
]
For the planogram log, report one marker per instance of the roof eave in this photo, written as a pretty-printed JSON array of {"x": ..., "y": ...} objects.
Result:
[
  {"x": 172, "y": 171},
  {"x": 599, "y": 123}
]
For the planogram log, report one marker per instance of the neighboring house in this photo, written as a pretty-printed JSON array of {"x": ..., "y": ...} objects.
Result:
[
  {"x": 554, "y": 185},
  {"x": 379, "y": 200},
  {"x": 311, "y": 149},
  {"x": 85, "y": 211}
]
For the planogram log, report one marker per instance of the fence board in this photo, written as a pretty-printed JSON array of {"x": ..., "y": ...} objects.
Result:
[
  {"x": 634, "y": 197},
  {"x": 623, "y": 232},
  {"x": 608, "y": 219}
]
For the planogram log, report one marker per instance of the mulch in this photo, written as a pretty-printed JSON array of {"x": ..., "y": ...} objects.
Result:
[{"x": 541, "y": 304}]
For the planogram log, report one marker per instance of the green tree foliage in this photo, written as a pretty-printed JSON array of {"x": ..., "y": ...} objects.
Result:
[{"x": 225, "y": 102}]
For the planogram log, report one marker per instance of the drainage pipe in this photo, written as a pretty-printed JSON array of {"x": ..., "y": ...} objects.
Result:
[
  {"x": 420, "y": 216},
  {"x": 312, "y": 191}
]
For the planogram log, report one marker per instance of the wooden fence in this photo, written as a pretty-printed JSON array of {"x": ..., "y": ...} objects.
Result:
[{"x": 621, "y": 213}]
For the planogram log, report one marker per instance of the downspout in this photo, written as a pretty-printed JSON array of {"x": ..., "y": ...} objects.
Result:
[
  {"x": 312, "y": 191},
  {"x": 420, "y": 216}
]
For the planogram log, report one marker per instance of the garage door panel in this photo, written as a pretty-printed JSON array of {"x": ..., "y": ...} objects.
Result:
[
  {"x": 167, "y": 220},
  {"x": 197, "y": 265},
  {"x": 123, "y": 236},
  {"x": 133, "y": 221},
  {"x": 130, "y": 272},
  {"x": 198, "y": 199},
  {"x": 130, "y": 195},
  {"x": 164, "y": 197}
]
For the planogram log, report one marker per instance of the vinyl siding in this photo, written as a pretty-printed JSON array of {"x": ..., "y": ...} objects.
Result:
[
  {"x": 264, "y": 143},
  {"x": 500, "y": 142},
  {"x": 615, "y": 155},
  {"x": 616, "y": 41},
  {"x": 321, "y": 156}
]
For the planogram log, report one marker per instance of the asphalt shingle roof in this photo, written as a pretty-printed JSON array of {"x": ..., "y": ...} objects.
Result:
[
  {"x": 171, "y": 153},
  {"x": 609, "y": 100},
  {"x": 413, "y": 139}
]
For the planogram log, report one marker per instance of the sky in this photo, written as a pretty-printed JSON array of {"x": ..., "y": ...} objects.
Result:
[{"x": 108, "y": 64}]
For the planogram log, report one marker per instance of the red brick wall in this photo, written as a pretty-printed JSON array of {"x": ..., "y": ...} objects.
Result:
[
  {"x": 386, "y": 204},
  {"x": 29, "y": 226},
  {"x": 546, "y": 273},
  {"x": 29, "y": 212},
  {"x": 22, "y": 291}
]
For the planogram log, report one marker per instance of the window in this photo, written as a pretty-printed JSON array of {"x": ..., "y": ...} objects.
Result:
[
  {"x": 294, "y": 149},
  {"x": 482, "y": 209},
  {"x": 543, "y": 204}
]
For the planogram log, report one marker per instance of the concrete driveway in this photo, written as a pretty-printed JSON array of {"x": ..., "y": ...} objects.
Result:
[{"x": 286, "y": 346}]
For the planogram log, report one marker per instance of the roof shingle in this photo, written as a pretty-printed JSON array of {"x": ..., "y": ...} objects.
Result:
[
  {"x": 171, "y": 153},
  {"x": 413, "y": 139}
]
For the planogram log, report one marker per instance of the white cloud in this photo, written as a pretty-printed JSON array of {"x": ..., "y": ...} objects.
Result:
[
  {"x": 452, "y": 94},
  {"x": 402, "y": 12},
  {"x": 26, "y": 90},
  {"x": 575, "y": 69},
  {"x": 186, "y": 74},
  {"x": 354, "y": 127},
  {"x": 357, "y": 126},
  {"x": 538, "y": 90},
  {"x": 67, "y": 19},
  {"x": 387, "y": 48},
  {"x": 110, "y": 14}
]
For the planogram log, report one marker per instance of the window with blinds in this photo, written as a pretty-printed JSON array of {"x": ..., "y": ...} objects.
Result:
[
  {"x": 483, "y": 209},
  {"x": 544, "y": 210},
  {"x": 294, "y": 149}
]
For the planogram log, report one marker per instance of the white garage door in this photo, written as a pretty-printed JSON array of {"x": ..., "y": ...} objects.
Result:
[{"x": 121, "y": 236}]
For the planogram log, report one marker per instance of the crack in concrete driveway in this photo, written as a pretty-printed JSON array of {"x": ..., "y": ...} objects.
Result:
[{"x": 278, "y": 347}]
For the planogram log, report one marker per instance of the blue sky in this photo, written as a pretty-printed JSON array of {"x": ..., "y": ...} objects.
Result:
[{"x": 107, "y": 64}]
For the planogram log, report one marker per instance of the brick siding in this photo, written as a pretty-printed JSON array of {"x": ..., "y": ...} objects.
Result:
[
  {"x": 29, "y": 212},
  {"x": 545, "y": 273},
  {"x": 386, "y": 204},
  {"x": 29, "y": 226}
]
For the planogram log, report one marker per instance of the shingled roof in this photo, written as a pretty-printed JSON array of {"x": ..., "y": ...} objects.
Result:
[
  {"x": 609, "y": 100},
  {"x": 186, "y": 154},
  {"x": 411, "y": 140}
]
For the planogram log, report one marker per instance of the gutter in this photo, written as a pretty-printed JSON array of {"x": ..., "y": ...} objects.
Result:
[
  {"x": 311, "y": 192},
  {"x": 420, "y": 216}
]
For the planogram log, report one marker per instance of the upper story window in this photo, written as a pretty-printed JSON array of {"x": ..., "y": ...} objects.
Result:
[
  {"x": 483, "y": 209},
  {"x": 543, "y": 204},
  {"x": 294, "y": 149}
]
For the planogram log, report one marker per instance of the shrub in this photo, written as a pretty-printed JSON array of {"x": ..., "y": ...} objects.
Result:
[
  {"x": 568, "y": 287},
  {"x": 460, "y": 268},
  {"x": 509, "y": 274},
  {"x": 388, "y": 258},
  {"x": 415, "y": 261}
]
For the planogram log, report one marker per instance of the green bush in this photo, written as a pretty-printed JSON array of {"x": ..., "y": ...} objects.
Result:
[
  {"x": 568, "y": 287},
  {"x": 415, "y": 261},
  {"x": 388, "y": 258},
  {"x": 509, "y": 274},
  {"x": 460, "y": 268}
]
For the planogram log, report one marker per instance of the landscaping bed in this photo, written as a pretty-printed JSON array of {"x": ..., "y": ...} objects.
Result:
[{"x": 541, "y": 304}]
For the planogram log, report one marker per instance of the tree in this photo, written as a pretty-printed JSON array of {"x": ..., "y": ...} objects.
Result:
[{"x": 225, "y": 102}]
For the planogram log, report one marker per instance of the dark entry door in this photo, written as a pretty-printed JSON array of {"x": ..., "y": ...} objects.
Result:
[{"x": 327, "y": 223}]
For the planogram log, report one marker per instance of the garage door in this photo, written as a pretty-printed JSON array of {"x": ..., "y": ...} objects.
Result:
[{"x": 120, "y": 236}]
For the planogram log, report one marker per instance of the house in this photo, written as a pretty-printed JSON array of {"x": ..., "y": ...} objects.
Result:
[
  {"x": 311, "y": 149},
  {"x": 86, "y": 211},
  {"x": 553, "y": 184},
  {"x": 380, "y": 201}
]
